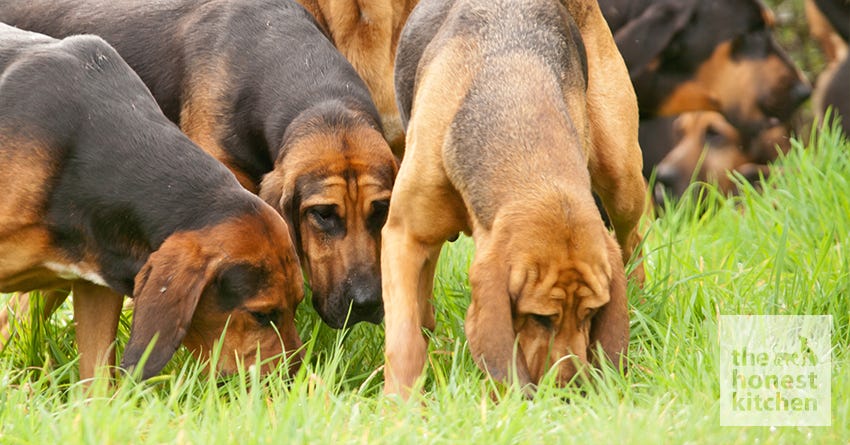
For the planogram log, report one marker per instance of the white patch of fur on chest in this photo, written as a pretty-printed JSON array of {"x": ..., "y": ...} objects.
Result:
[{"x": 75, "y": 271}]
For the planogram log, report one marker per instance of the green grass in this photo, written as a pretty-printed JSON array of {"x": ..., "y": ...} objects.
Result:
[{"x": 782, "y": 250}]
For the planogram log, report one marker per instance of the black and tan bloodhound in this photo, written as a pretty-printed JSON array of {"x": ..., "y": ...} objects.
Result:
[
  {"x": 703, "y": 146},
  {"x": 696, "y": 55},
  {"x": 105, "y": 195},
  {"x": 514, "y": 112},
  {"x": 259, "y": 86}
]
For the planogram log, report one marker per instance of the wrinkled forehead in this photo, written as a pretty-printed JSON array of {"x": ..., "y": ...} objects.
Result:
[
  {"x": 342, "y": 178},
  {"x": 592, "y": 279},
  {"x": 259, "y": 238},
  {"x": 591, "y": 274},
  {"x": 359, "y": 148}
]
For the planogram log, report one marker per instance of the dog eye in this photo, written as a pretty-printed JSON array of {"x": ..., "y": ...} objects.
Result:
[
  {"x": 322, "y": 212},
  {"x": 547, "y": 321},
  {"x": 589, "y": 314},
  {"x": 239, "y": 281},
  {"x": 712, "y": 136},
  {"x": 379, "y": 214},
  {"x": 266, "y": 318},
  {"x": 325, "y": 217}
]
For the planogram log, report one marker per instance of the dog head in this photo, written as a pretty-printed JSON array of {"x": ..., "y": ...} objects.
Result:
[
  {"x": 706, "y": 147},
  {"x": 723, "y": 58},
  {"x": 556, "y": 311},
  {"x": 332, "y": 183},
  {"x": 241, "y": 273}
]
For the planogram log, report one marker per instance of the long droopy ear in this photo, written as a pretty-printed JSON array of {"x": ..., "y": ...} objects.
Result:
[
  {"x": 278, "y": 191},
  {"x": 272, "y": 189},
  {"x": 166, "y": 293},
  {"x": 610, "y": 325},
  {"x": 645, "y": 37},
  {"x": 489, "y": 326}
]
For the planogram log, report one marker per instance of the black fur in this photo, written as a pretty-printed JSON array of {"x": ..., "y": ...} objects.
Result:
[
  {"x": 686, "y": 48},
  {"x": 237, "y": 281},
  {"x": 709, "y": 24},
  {"x": 837, "y": 94},
  {"x": 118, "y": 189},
  {"x": 280, "y": 61},
  {"x": 423, "y": 23},
  {"x": 545, "y": 31}
]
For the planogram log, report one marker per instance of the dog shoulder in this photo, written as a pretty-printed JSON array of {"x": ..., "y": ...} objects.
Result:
[{"x": 423, "y": 24}]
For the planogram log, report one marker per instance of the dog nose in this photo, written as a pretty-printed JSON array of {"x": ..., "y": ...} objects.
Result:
[
  {"x": 667, "y": 179},
  {"x": 366, "y": 298},
  {"x": 800, "y": 93},
  {"x": 754, "y": 172},
  {"x": 366, "y": 303}
]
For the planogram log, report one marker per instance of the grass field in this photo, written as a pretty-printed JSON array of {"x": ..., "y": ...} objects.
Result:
[{"x": 783, "y": 250}]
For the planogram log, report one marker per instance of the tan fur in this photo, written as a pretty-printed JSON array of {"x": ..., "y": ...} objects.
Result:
[
  {"x": 179, "y": 276},
  {"x": 24, "y": 179},
  {"x": 366, "y": 32},
  {"x": 834, "y": 48},
  {"x": 689, "y": 96},
  {"x": 724, "y": 82},
  {"x": 194, "y": 272},
  {"x": 708, "y": 148},
  {"x": 202, "y": 117},
  {"x": 351, "y": 181},
  {"x": 96, "y": 314},
  {"x": 615, "y": 160},
  {"x": 97, "y": 308},
  {"x": 431, "y": 210},
  {"x": 532, "y": 261}
]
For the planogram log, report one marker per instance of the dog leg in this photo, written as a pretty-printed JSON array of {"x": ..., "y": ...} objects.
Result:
[
  {"x": 408, "y": 274},
  {"x": 19, "y": 305},
  {"x": 615, "y": 161},
  {"x": 424, "y": 212},
  {"x": 96, "y": 313}
]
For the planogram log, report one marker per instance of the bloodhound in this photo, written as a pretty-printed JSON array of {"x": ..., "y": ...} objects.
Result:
[
  {"x": 514, "y": 112},
  {"x": 104, "y": 195},
  {"x": 704, "y": 146},
  {"x": 258, "y": 85},
  {"x": 366, "y": 32},
  {"x": 693, "y": 55}
]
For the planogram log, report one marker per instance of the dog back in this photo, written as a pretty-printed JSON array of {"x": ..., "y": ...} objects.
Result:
[{"x": 521, "y": 70}]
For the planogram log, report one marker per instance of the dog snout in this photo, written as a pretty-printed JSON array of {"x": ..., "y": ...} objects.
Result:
[
  {"x": 753, "y": 173},
  {"x": 366, "y": 301},
  {"x": 800, "y": 93},
  {"x": 669, "y": 180},
  {"x": 357, "y": 298}
]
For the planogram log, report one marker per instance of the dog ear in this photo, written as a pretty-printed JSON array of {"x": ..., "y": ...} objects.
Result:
[
  {"x": 489, "y": 328},
  {"x": 645, "y": 37},
  {"x": 610, "y": 326},
  {"x": 838, "y": 15},
  {"x": 279, "y": 192},
  {"x": 166, "y": 293},
  {"x": 273, "y": 190}
]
